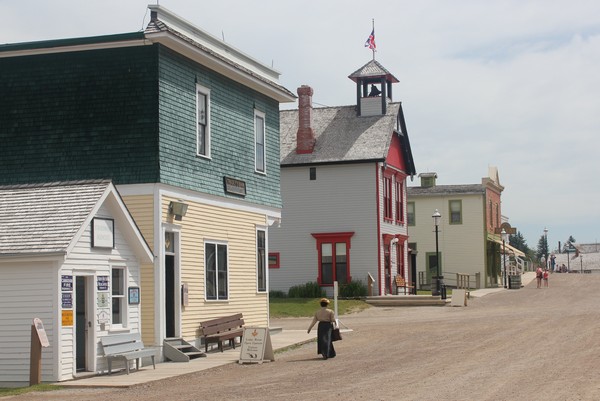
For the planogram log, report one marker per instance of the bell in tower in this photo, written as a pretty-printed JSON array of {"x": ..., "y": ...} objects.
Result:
[{"x": 373, "y": 89}]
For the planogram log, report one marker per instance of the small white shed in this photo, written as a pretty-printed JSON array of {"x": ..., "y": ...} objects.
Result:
[{"x": 70, "y": 255}]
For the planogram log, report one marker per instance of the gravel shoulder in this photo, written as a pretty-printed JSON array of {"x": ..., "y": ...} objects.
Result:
[{"x": 527, "y": 344}]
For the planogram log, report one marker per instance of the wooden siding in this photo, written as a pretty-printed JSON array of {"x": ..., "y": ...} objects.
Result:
[
  {"x": 461, "y": 246},
  {"x": 79, "y": 115},
  {"x": 141, "y": 208},
  {"x": 238, "y": 230},
  {"x": 231, "y": 124},
  {"x": 27, "y": 290},
  {"x": 341, "y": 199}
]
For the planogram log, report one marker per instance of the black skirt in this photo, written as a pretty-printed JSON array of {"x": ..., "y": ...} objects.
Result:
[{"x": 324, "y": 343}]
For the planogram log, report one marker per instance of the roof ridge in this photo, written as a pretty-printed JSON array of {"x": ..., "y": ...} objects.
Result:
[{"x": 56, "y": 184}]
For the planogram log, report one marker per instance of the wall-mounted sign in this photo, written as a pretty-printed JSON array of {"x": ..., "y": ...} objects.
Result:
[
  {"x": 103, "y": 316},
  {"x": 67, "y": 300},
  {"x": 134, "y": 295},
  {"x": 67, "y": 317},
  {"x": 234, "y": 186},
  {"x": 66, "y": 283},
  {"x": 103, "y": 233},
  {"x": 102, "y": 283},
  {"x": 102, "y": 301}
]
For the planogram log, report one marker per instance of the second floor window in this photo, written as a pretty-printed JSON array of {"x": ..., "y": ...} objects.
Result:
[
  {"x": 259, "y": 139},
  {"x": 410, "y": 213},
  {"x": 387, "y": 198},
  {"x": 399, "y": 202},
  {"x": 202, "y": 117},
  {"x": 455, "y": 211}
]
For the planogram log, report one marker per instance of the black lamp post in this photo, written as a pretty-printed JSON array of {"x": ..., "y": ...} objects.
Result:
[
  {"x": 436, "y": 221},
  {"x": 504, "y": 239},
  {"x": 546, "y": 239}
]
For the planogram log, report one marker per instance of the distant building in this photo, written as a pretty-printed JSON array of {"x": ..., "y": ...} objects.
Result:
[
  {"x": 468, "y": 242},
  {"x": 343, "y": 184},
  {"x": 187, "y": 128}
]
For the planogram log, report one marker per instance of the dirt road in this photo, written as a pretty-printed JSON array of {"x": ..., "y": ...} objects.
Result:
[{"x": 528, "y": 344}]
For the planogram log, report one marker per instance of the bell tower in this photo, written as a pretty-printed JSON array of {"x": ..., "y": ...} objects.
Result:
[{"x": 373, "y": 89}]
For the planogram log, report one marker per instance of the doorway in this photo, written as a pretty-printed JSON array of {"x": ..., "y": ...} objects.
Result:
[
  {"x": 82, "y": 323},
  {"x": 170, "y": 289}
]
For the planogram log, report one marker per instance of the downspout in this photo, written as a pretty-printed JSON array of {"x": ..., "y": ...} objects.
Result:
[{"x": 378, "y": 229}]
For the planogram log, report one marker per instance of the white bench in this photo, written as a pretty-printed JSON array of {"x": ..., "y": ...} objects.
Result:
[{"x": 127, "y": 346}]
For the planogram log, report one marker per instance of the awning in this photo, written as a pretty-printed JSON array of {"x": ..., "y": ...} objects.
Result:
[{"x": 509, "y": 249}]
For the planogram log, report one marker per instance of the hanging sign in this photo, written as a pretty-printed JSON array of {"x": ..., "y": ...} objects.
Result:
[{"x": 256, "y": 346}]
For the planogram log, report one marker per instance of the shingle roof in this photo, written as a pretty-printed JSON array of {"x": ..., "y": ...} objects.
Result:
[
  {"x": 43, "y": 218},
  {"x": 341, "y": 136},
  {"x": 372, "y": 69},
  {"x": 446, "y": 190}
]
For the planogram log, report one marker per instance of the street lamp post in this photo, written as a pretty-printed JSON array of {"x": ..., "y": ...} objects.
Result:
[
  {"x": 581, "y": 261},
  {"x": 504, "y": 239},
  {"x": 436, "y": 221}
]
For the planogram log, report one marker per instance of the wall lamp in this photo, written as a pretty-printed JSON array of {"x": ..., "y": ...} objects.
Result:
[{"x": 178, "y": 209}]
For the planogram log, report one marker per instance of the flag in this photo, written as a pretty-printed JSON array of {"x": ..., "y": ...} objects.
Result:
[{"x": 370, "y": 43}]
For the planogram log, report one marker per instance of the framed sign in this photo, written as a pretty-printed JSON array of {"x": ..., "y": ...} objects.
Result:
[
  {"x": 67, "y": 300},
  {"x": 256, "y": 346},
  {"x": 66, "y": 283},
  {"x": 234, "y": 186},
  {"x": 102, "y": 283},
  {"x": 134, "y": 295},
  {"x": 103, "y": 233}
]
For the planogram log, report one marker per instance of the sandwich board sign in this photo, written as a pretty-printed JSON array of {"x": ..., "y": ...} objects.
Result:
[{"x": 256, "y": 346}]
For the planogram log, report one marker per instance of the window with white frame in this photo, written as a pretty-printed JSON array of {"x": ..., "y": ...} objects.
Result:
[
  {"x": 203, "y": 121},
  {"x": 455, "y": 207},
  {"x": 261, "y": 260},
  {"x": 119, "y": 301},
  {"x": 410, "y": 213},
  {"x": 259, "y": 141},
  {"x": 216, "y": 271}
]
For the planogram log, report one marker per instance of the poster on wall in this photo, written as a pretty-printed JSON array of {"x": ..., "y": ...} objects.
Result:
[
  {"x": 134, "y": 295},
  {"x": 102, "y": 283},
  {"x": 102, "y": 301},
  {"x": 66, "y": 283},
  {"x": 103, "y": 233},
  {"x": 67, "y": 300}
]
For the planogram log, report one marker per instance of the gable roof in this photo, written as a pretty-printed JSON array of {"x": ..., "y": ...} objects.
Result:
[
  {"x": 341, "y": 135},
  {"x": 440, "y": 190},
  {"x": 42, "y": 219}
]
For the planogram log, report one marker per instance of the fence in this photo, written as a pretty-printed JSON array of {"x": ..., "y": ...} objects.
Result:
[{"x": 455, "y": 280}]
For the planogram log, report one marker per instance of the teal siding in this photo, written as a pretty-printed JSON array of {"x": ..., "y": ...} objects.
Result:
[
  {"x": 232, "y": 132},
  {"x": 79, "y": 115}
]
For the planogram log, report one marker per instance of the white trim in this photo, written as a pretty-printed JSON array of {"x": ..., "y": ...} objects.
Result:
[
  {"x": 207, "y": 151},
  {"x": 217, "y": 243},
  {"x": 124, "y": 301},
  {"x": 76, "y": 48},
  {"x": 261, "y": 115}
]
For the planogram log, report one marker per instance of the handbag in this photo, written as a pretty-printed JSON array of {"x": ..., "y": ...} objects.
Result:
[{"x": 336, "y": 335}]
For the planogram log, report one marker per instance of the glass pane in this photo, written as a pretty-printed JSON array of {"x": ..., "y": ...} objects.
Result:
[
  {"x": 260, "y": 143},
  {"x": 261, "y": 261},
  {"x": 211, "y": 271},
  {"x": 170, "y": 242},
  {"x": 326, "y": 264},
  {"x": 201, "y": 139},
  {"x": 222, "y": 271},
  {"x": 116, "y": 311},
  {"x": 117, "y": 282},
  {"x": 201, "y": 108},
  {"x": 341, "y": 265}
]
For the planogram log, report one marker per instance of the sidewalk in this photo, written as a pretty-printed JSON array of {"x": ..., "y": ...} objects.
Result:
[
  {"x": 526, "y": 278},
  {"x": 164, "y": 370}
]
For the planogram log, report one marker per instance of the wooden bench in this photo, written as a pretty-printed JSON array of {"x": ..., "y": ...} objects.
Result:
[
  {"x": 221, "y": 329},
  {"x": 401, "y": 283},
  {"x": 126, "y": 346}
]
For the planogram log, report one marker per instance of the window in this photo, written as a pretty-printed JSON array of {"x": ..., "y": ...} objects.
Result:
[
  {"x": 497, "y": 215},
  {"x": 312, "y": 173},
  {"x": 399, "y": 202},
  {"x": 410, "y": 213},
  {"x": 118, "y": 284},
  {"x": 259, "y": 139},
  {"x": 261, "y": 260},
  {"x": 455, "y": 211},
  {"x": 203, "y": 117},
  {"x": 274, "y": 260},
  {"x": 387, "y": 198},
  {"x": 216, "y": 271},
  {"x": 334, "y": 258}
]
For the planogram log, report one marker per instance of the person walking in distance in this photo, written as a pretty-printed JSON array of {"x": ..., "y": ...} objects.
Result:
[
  {"x": 546, "y": 278},
  {"x": 539, "y": 273},
  {"x": 326, "y": 319}
]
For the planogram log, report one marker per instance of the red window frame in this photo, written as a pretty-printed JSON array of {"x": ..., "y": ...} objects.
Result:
[{"x": 332, "y": 238}]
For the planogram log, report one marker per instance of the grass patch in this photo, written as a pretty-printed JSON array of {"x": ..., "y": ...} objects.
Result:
[
  {"x": 22, "y": 390},
  {"x": 306, "y": 307}
]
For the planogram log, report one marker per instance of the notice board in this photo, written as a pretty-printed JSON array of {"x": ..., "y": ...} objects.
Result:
[{"x": 256, "y": 345}]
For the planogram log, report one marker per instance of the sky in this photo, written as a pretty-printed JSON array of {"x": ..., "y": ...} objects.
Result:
[{"x": 511, "y": 84}]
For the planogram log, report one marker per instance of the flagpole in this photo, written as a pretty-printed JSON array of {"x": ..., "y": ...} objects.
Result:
[{"x": 373, "y": 32}]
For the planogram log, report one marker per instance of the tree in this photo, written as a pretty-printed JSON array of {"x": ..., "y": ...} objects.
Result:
[
  {"x": 542, "y": 248},
  {"x": 518, "y": 241}
]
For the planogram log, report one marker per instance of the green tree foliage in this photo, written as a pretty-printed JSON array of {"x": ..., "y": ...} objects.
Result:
[
  {"x": 518, "y": 241},
  {"x": 542, "y": 248}
]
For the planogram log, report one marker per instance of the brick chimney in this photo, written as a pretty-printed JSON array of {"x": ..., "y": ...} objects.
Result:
[{"x": 306, "y": 135}]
